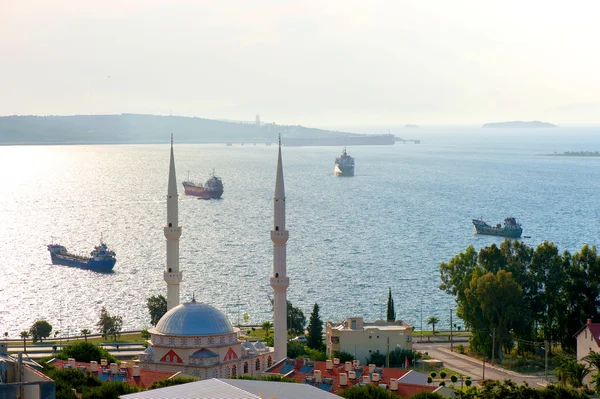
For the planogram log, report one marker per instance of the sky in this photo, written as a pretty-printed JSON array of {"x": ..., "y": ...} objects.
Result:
[{"x": 314, "y": 63}]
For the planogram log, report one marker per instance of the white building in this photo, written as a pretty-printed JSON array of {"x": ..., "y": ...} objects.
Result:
[
  {"x": 361, "y": 339},
  {"x": 20, "y": 379}
]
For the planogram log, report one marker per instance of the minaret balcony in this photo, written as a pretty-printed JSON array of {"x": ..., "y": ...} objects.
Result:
[
  {"x": 280, "y": 235},
  {"x": 172, "y": 233},
  {"x": 173, "y": 277},
  {"x": 280, "y": 282}
]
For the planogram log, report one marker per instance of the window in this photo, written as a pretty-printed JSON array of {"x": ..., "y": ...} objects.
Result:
[
  {"x": 354, "y": 324},
  {"x": 586, "y": 333},
  {"x": 269, "y": 361},
  {"x": 245, "y": 367},
  {"x": 370, "y": 336},
  {"x": 234, "y": 370},
  {"x": 276, "y": 228}
]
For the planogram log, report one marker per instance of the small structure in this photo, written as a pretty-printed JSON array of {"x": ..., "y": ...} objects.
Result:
[
  {"x": 21, "y": 378},
  {"x": 588, "y": 339},
  {"x": 357, "y": 337}
]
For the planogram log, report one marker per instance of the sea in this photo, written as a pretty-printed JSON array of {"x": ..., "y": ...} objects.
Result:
[{"x": 408, "y": 208}]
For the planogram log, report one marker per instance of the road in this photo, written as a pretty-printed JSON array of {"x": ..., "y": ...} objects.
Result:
[{"x": 472, "y": 367}]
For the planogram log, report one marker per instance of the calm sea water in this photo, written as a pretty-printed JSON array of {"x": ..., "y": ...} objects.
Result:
[{"x": 408, "y": 208}]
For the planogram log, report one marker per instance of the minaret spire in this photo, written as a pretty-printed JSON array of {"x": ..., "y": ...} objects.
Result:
[
  {"x": 279, "y": 280},
  {"x": 172, "y": 275}
]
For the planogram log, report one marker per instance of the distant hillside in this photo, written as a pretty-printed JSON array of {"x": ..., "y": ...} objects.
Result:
[
  {"x": 520, "y": 124},
  {"x": 134, "y": 128}
]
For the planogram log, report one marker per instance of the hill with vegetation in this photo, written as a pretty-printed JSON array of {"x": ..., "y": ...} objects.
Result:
[{"x": 144, "y": 129}]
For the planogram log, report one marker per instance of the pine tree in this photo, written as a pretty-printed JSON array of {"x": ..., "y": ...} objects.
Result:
[
  {"x": 315, "y": 330},
  {"x": 391, "y": 313}
]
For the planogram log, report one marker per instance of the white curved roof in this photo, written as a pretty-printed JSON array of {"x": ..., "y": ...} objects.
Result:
[{"x": 193, "y": 319}]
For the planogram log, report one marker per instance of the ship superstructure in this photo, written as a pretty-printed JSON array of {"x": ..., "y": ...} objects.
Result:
[{"x": 344, "y": 165}]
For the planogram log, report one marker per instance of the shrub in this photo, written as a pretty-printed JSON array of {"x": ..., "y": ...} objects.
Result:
[
  {"x": 442, "y": 383},
  {"x": 429, "y": 380},
  {"x": 468, "y": 382},
  {"x": 86, "y": 352},
  {"x": 453, "y": 378},
  {"x": 170, "y": 382},
  {"x": 461, "y": 349},
  {"x": 443, "y": 374},
  {"x": 433, "y": 374}
]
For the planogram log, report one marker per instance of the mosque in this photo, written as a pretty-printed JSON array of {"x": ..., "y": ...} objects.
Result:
[{"x": 198, "y": 339}]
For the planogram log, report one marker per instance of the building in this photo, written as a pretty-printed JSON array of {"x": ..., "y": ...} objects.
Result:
[
  {"x": 332, "y": 376},
  {"x": 588, "y": 339},
  {"x": 21, "y": 378},
  {"x": 361, "y": 339},
  {"x": 198, "y": 339},
  {"x": 221, "y": 388}
]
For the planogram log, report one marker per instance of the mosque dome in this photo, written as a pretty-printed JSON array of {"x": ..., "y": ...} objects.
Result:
[{"x": 193, "y": 319}]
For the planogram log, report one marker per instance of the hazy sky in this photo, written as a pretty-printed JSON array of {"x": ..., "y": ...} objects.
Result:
[{"x": 315, "y": 63}]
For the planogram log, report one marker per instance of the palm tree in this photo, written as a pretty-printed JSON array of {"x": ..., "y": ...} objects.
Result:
[
  {"x": 266, "y": 326},
  {"x": 433, "y": 321},
  {"x": 593, "y": 359},
  {"x": 85, "y": 332},
  {"x": 25, "y": 335}
]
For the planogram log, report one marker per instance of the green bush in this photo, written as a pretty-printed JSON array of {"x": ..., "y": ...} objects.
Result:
[
  {"x": 461, "y": 349},
  {"x": 442, "y": 383},
  {"x": 433, "y": 374},
  {"x": 429, "y": 380},
  {"x": 453, "y": 378},
  {"x": 343, "y": 356},
  {"x": 170, "y": 382},
  {"x": 366, "y": 391},
  {"x": 86, "y": 352},
  {"x": 427, "y": 395},
  {"x": 443, "y": 374}
]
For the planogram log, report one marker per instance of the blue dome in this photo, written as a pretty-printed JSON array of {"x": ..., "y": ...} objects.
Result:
[{"x": 193, "y": 319}]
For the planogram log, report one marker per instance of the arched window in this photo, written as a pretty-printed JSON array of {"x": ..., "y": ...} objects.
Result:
[
  {"x": 245, "y": 367},
  {"x": 170, "y": 224},
  {"x": 234, "y": 370},
  {"x": 257, "y": 364},
  {"x": 269, "y": 361},
  {"x": 276, "y": 275},
  {"x": 276, "y": 228}
]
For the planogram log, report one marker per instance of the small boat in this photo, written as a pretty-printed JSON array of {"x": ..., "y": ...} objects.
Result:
[
  {"x": 344, "y": 165},
  {"x": 511, "y": 228},
  {"x": 212, "y": 188},
  {"x": 101, "y": 259}
]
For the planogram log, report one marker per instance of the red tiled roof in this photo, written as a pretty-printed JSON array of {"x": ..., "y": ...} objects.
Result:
[
  {"x": 146, "y": 378},
  {"x": 595, "y": 331},
  {"x": 404, "y": 390}
]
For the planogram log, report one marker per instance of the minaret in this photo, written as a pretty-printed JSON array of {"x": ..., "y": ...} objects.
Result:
[
  {"x": 279, "y": 281},
  {"x": 172, "y": 274}
]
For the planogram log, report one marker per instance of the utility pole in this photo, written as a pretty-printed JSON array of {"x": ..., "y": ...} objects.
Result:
[
  {"x": 493, "y": 344},
  {"x": 451, "y": 341},
  {"x": 387, "y": 356},
  {"x": 546, "y": 360},
  {"x": 483, "y": 373},
  {"x": 421, "y": 319}
]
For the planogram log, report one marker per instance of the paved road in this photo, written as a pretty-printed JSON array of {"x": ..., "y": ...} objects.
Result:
[{"x": 468, "y": 366}]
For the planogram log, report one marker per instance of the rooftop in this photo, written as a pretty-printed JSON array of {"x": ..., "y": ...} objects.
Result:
[
  {"x": 299, "y": 371},
  {"x": 146, "y": 378}
]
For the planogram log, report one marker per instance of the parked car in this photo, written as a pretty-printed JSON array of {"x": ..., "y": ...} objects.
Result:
[{"x": 301, "y": 338}]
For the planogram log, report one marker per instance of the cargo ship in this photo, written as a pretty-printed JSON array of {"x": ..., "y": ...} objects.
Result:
[
  {"x": 344, "y": 165},
  {"x": 212, "y": 188},
  {"x": 511, "y": 228},
  {"x": 101, "y": 259}
]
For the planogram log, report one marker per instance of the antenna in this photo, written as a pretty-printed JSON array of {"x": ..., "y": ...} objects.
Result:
[
  {"x": 171, "y": 138},
  {"x": 280, "y": 139}
]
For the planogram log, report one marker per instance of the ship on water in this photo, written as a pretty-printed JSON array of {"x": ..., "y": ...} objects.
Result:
[
  {"x": 344, "y": 165},
  {"x": 212, "y": 188},
  {"x": 101, "y": 259},
  {"x": 511, "y": 228}
]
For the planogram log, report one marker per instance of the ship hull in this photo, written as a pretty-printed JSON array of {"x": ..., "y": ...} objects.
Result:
[
  {"x": 103, "y": 266},
  {"x": 202, "y": 192},
  {"x": 343, "y": 172},
  {"x": 482, "y": 228}
]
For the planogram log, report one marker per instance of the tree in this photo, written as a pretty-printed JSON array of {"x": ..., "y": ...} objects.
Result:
[
  {"x": 295, "y": 319},
  {"x": 24, "y": 334},
  {"x": 157, "y": 307},
  {"x": 145, "y": 333},
  {"x": 315, "y": 330},
  {"x": 246, "y": 317},
  {"x": 39, "y": 330},
  {"x": 432, "y": 320},
  {"x": 109, "y": 325},
  {"x": 86, "y": 352},
  {"x": 85, "y": 332},
  {"x": 267, "y": 325},
  {"x": 391, "y": 312},
  {"x": 295, "y": 349},
  {"x": 367, "y": 392}
]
